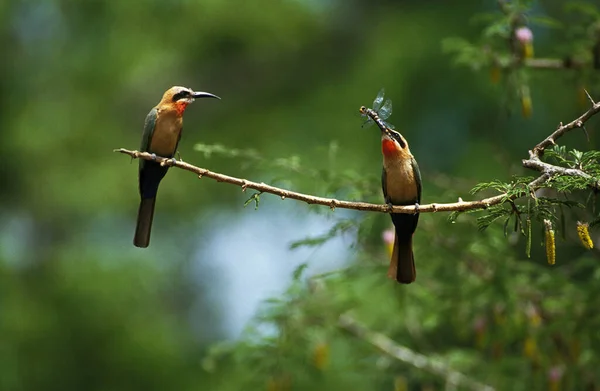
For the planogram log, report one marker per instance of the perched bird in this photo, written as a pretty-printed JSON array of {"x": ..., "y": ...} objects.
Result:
[
  {"x": 162, "y": 132},
  {"x": 401, "y": 184}
]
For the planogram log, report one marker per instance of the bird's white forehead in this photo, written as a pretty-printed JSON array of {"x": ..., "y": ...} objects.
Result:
[{"x": 180, "y": 88}]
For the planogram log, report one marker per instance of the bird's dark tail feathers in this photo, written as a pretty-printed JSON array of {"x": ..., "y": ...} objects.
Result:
[
  {"x": 144, "y": 222},
  {"x": 402, "y": 264}
]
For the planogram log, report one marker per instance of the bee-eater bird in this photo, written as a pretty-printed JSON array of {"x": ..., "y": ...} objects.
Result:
[
  {"x": 162, "y": 132},
  {"x": 401, "y": 184}
]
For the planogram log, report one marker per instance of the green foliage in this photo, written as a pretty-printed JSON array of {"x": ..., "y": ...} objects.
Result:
[
  {"x": 339, "y": 228},
  {"x": 82, "y": 309},
  {"x": 253, "y": 198}
]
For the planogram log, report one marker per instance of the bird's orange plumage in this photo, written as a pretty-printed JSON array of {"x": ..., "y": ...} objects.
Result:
[{"x": 166, "y": 103}]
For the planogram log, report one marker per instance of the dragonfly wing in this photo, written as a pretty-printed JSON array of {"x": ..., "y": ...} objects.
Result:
[
  {"x": 368, "y": 123},
  {"x": 378, "y": 100},
  {"x": 386, "y": 110},
  {"x": 389, "y": 125}
]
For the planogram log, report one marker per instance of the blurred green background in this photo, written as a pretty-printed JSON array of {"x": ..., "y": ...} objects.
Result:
[{"x": 82, "y": 309}]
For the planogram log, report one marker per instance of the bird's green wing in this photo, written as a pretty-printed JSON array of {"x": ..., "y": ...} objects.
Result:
[
  {"x": 417, "y": 174},
  {"x": 149, "y": 125}
]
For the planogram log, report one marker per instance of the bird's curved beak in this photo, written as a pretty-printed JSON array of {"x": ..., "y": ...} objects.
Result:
[{"x": 200, "y": 94}]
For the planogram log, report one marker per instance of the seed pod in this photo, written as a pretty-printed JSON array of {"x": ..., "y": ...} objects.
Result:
[
  {"x": 550, "y": 243},
  {"x": 321, "y": 356},
  {"x": 584, "y": 235},
  {"x": 526, "y": 104}
]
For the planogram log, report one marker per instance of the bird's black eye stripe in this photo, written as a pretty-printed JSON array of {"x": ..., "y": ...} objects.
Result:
[
  {"x": 180, "y": 95},
  {"x": 399, "y": 139}
]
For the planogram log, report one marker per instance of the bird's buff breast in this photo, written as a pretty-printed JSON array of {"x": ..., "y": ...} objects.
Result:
[
  {"x": 400, "y": 181},
  {"x": 166, "y": 134}
]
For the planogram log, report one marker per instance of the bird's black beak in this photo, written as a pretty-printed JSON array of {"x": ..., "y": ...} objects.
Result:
[{"x": 200, "y": 94}]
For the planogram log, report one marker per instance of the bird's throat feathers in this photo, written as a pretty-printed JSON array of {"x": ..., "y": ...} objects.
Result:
[
  {"x": 180, "y": 107},
  {"x": 391, "y": 149}
]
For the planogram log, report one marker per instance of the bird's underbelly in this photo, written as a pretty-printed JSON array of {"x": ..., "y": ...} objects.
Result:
[
  {"x": 400, "y": 184},
  {"x": 164, "y": 142}
]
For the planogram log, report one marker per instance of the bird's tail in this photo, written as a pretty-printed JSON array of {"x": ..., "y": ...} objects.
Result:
[
  {"x": 402, "y": 264},
  {"x": 144, "y": 222}
]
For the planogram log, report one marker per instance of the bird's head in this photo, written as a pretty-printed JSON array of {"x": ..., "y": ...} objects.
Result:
[
  {"x": 183, "y": 96},
  {"x": 393, "y": 145}
]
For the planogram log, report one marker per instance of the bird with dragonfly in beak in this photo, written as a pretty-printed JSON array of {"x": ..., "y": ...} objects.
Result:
[{"x": 401, "y": 184}]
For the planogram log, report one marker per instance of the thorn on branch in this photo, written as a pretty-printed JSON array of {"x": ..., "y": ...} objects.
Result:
[
  {"x": 589, "y": 97},
  {"x": 134, "y": 154}
]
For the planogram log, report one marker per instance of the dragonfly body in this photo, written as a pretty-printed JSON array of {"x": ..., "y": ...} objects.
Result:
[
  {"x": 378, "y": 114},
  {"x": 374, "y": 117}
]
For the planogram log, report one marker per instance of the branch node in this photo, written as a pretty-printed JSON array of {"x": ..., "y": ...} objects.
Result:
[
  {"x": 579, "y": 124},
  {"x": 460, "y": 199},
  {"x": 244, "y": 185},
  {"x": 333, "y": 204}
]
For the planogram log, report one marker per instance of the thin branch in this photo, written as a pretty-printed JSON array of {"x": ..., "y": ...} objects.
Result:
[
  {"x": 551, "y": 170},
  {"x": 538, "y": 150},
  {"x": 554, "y": 63},
  {"x": 538, "y": 183},
  {"x": 406, "y": 355},
  {"x": 309, "y": 199}
]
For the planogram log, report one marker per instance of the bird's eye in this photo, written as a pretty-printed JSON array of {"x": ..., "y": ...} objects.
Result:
[
  {"x": 180, "y": 95},
  {"x": 399, "y": 139}
]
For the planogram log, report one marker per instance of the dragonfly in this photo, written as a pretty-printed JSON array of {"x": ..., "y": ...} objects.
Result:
[{"x": 378, "y": 114}]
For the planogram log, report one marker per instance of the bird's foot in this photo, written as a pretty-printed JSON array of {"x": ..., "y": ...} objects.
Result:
[
  {"x": 153, "y": 157},
  {"x": 390, "y": 206},
  {"x": 416, "y": 208},
  {"x": 168, "y": 162}
]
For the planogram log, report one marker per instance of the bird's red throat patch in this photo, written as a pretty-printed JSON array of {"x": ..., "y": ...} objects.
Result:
[
  {"x": 180, "y": 106},
  {"x": 389, "y": 148}
]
